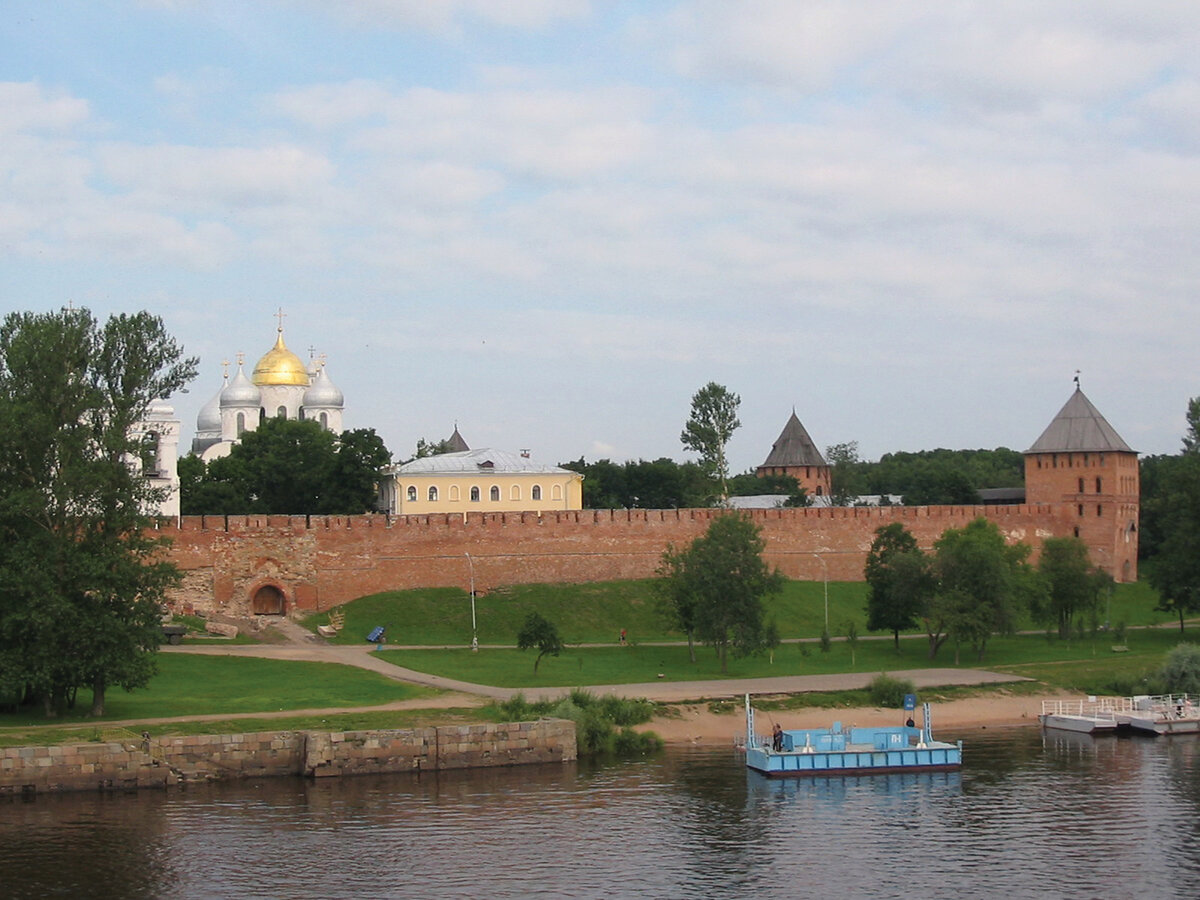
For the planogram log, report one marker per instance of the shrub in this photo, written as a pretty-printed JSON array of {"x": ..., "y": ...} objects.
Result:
[
  {"x": 889, "y": 692},
  {"x": 1181, "y": 672}
]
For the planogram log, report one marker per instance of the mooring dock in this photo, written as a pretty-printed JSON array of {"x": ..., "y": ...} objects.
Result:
[{"x": 1150, "y": 713}]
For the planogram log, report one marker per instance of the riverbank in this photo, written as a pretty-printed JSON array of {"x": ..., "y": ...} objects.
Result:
[{"x": 698, "y": 723}]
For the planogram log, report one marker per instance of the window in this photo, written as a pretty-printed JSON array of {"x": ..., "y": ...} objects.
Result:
[
  {"x": 475, "y": 495},
  {"x": 514, "y": 492},
  {"x": 241, "y": 423},
  {"x": 819, "y": 491},
  {"x": 536, "y": 493},
  {"x": 1081, "y": 509},
  {"x": 494, "y": 493},
  {"x": 556, "y": 492},
  {"x": 281, "y": 413},
  {"x": 432, "y": 493},
  {"x": 1081, "y": 485},
  {"x": 412, "y": 493},
  {"x": 325, "y": 421},
  {"x": 1098, "y": 483},
  {"x": 454, "y": 492},
  {"x": 1099, "y": 509}
]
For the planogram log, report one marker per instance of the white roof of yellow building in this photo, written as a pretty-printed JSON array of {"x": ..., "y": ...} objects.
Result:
[{"x": 481, "y": 462}]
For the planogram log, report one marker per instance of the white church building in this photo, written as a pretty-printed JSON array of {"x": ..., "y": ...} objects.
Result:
[{"x": 280, "y": 386}]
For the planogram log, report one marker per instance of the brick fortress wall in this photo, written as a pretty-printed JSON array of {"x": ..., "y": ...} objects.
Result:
[{"x": 314, "y": 563}]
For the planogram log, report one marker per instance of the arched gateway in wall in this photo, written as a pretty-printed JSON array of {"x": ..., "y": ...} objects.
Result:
[{"x": 268, "y": 600}]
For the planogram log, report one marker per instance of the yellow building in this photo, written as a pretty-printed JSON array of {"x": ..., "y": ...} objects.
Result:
[{"x": 478, "y": 481}]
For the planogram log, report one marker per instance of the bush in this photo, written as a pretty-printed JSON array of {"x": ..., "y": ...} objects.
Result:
[
  {"x": 889, "y": 692},
  {"x": 1181, "y": 672}
]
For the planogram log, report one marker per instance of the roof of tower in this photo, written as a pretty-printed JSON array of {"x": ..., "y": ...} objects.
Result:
[
  {"x": 456, "y": 443},
  {"x": 209, "y": 418},
  {"x": 794, "y": 447},
  {"x": 1079, "y": 427},
  {"x": 323, "y": 392},
  {"x": 240, "y": 392},
  {"x": 280, "y": 366}
]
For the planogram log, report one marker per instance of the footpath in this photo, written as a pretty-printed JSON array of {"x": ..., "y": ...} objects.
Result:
[{"x": 301, "y": 644}]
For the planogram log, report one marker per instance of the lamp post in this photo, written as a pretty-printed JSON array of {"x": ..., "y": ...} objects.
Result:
[
  {"x": 474, "y": 633},
  {"x": 825, "y": 570}
]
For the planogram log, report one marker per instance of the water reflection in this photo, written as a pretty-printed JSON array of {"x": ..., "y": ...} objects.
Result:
[{"x": 1028, "y": 816}]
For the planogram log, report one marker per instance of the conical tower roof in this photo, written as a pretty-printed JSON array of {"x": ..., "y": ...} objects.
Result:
[
  {"x": 456, "y": 442},
  {"x": 794, "y": 447},
  {"x": 1079, "y": 427}
]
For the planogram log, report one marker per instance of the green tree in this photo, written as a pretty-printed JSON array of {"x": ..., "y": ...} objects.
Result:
[
  {"x": 81, "y": 575},
  {"x": 676, "y": 595},
  {"x": 712, "y": 423},
  {"x": 984, "y": 583},
  {"x": 1174, "y": 571},
  {"x": 899, "y": 579},
  {"x": 433, "y": 448},
  {"x": 540, "y": 634},
  {"x": 844, "y": 474},
  {"x": 724, "y": 578},
  {"x": 1181, "y": 670},
  {"x": 289, "y": 467},
  {"x": 1071, "y": 584}
]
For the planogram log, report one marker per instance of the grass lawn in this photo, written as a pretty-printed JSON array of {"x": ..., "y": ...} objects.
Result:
[
  {"x": 1030, "y": 655},
  {"x": 189, "y": 685},
  {"x": 591, "y": 613}
]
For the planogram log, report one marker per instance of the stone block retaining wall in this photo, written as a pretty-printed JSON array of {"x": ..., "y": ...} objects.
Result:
[{"x": 136, "y": 763}]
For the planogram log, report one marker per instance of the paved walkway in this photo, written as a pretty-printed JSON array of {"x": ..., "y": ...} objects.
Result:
[{"x": 302, "y": 644}]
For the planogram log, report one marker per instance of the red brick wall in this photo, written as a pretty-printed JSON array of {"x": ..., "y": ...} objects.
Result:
[
  {"x": 319, "y": 562},
  {"x": 1099, "y": 495}
]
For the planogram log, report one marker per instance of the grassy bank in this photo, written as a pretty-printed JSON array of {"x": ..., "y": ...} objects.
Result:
[
  {"x": 221, "y": 685},
  {"x": 647, "y": 663},
  {"x": 592, "y": 613}
]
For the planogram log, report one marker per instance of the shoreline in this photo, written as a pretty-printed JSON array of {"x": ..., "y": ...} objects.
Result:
[{"x": 696, "y": 723}]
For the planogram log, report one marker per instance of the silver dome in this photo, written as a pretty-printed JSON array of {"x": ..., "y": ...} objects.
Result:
[
  {"x": 323, "y": 393},
  {"x": 240, "y": 392}
]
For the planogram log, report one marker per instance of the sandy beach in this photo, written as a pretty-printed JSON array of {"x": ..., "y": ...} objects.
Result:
[{"x": 697, "y": 724}]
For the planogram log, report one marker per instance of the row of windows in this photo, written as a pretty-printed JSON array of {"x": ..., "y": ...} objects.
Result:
[
  {"x": 1070, "y": 460},
  {"x": 281, "y": 413},
  {"x": 514, "y": 493},
  {"x": 1099, "y": 482}
]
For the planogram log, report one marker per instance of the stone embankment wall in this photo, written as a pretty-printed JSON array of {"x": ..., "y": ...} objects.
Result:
[
  {"x": 316, "y": 562},
  {"x": 134, "y": 763}
]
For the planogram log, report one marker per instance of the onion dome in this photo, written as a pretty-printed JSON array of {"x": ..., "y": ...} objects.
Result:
[
  {"x": 240, "y": 392},
  {"x": 280, "y": 366},
  {"x": 209, "y": 418},
  {"x": 323, "y": 393}
]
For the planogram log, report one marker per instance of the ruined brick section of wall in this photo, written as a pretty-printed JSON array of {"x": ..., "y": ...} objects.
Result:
[
  {"x": 320, "y": 562},
  {"x": 136, "y": 764}
]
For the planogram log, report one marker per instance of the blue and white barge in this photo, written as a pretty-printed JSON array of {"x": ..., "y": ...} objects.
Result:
[{"x": 849, "y": 751}]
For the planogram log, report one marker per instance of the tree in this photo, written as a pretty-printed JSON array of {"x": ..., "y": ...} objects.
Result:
[
  {"x": 538, "y": 633},
  {"x": 81, "y": 574},
  {"x": 1071, "y": 584},
  {"x": 843, "y": 473},
  {"x": 289, "y": 467},
  {"x": 984, "y": 583},
  {"x": 709, "y": 428},
  {"x": 433, "y": 448},
  {"x": 723, "y": 579},
  {"x": 1174, "y": 571},
  {"x": 899, "y": 580},
  {"x": 676, "y": 594},
  {"x": 1181, "y": 670}
]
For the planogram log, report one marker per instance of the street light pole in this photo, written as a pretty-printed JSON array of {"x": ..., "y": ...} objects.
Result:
[
  {"x": 825, "y": 570},
  {"x": 474, "y": 633}
]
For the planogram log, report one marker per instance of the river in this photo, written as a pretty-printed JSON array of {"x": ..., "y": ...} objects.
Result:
[{"x": 1028, "y": 816}]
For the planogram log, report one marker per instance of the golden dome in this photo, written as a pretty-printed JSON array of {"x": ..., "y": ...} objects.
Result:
[{"x": 280, "y": 366}]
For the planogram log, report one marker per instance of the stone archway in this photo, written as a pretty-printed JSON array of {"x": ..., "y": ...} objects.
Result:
[{"x": 268, "y": 600}]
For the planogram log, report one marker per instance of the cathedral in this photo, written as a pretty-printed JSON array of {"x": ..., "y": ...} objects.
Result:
[{"x": 281, "y": 386}]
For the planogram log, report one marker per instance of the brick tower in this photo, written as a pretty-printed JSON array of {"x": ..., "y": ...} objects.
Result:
[
  {"x": 795, "y": 454},
  {"x": 1081, "y": 464}
]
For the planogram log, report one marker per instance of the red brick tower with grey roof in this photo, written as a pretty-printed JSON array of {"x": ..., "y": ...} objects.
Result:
[
  {"x": 795, "y": 454},
  {"x": 1081, "y": 464}
]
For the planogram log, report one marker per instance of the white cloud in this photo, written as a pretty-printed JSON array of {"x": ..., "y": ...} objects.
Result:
[{"x": 28, "y": 107}]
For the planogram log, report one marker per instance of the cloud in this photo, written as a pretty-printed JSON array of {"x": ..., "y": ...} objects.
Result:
[{"x": 28, "y": 107}]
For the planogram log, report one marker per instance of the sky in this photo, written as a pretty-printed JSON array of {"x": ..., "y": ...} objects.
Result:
[{"x": 550, "y": 222}]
